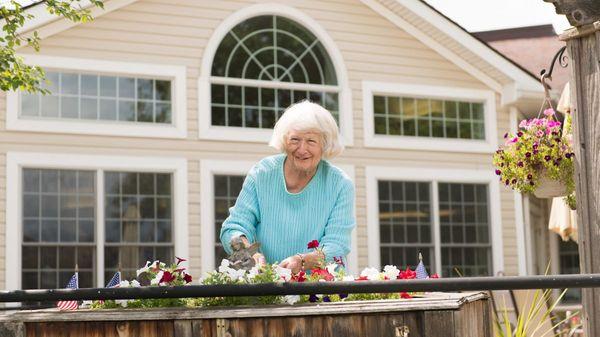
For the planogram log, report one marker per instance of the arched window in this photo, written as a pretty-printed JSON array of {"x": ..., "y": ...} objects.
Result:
[{"x": 263, "y": 65}]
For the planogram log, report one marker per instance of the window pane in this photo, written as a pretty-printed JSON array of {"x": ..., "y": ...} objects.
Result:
[
  {"x": 59, "y": 232},
  {"x": 49, "y": 106},
  {"x": 69, "y": 107},
  {"x": 30, "y": 104},
  {"x": 107, "y": 98},
  {"x": 89, "y": 85},
  {"x": 464, "y": 234},
  {"x": 139, "y": 220},
  {"x": 408, "y": 116},
  {"x": 295, "y": 55},
  {"x": 126, "y": 87},
  {"x": 403, "y": 216},
  {"x": 226, "y": 191}
]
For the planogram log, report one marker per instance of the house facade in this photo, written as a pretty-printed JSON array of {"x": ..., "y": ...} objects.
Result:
[{"x": 158, "y": 109}]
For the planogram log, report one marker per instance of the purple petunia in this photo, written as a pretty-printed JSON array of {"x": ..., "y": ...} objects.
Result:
[
  {"x": 547, "y": 158},
  {"x": 498, "y": 172}
]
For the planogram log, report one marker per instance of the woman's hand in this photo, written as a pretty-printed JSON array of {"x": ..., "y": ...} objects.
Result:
[{"x": 293, "y": 262}]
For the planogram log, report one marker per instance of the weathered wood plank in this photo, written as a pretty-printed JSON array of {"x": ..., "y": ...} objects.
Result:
[
  {"x": 347, "y": 325},
  {"x": 183, "y": 328},
  {"x": 148, "y": 328},
  {"x": 438, "y": 323},
  {"x": 197, "y": 328},
  {"x": 434, "y": 301},
  {"x": 413, "y": 321},
  {"x": 585, "y": 88},
  {"x": 165, "y": 329},
  {"x": 9, "y": 329}
]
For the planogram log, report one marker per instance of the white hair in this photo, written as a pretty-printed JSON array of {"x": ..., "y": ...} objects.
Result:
[{"x": 307, "y": 116}]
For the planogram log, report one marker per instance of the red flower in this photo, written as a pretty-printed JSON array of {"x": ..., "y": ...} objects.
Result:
[
  {"x": 322, "y": 273},
  {"x": 167, "y": 277},
  {"x": 434, "y": 276},
  {"x": 407, "y": 274},
  {"x": 179, "y": 260},
  {"x": 362, "y": 278},
  {"x": 187, "y": 278},
  {"x": 405, "y": 295},
  {"x": 300, "y": 277},
  {"x": 179, "y": 270},
  {"x": 313, "y": 244}
]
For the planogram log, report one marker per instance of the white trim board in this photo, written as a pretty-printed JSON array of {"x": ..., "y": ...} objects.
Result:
[
  {"x": 15, "y": 161},
  {"x": 209, "y": 168},
  {"x": 373, "y": 173},
  {"x": 522, "y": 82},
  {"x": 487, "y": 97},
  {"x": 176, "y": 73},
  {"x": 208, "y": 131},
  {"x": 47, "y": 24}
]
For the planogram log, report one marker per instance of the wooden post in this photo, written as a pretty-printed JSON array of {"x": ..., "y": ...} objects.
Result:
[{"x": 583, "y": 44}]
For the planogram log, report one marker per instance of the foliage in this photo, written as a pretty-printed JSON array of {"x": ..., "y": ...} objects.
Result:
[
  {"x": 537, "y": 312},
  {"x": 15, "y": 74},
  {"x": 152, "y": 274},
  {"x": 539, "y": 147}
]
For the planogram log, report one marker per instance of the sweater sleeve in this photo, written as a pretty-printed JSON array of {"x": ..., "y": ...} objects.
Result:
[
  {"x": 336, "y": 239},
  {"x": 243, "y": 216}
]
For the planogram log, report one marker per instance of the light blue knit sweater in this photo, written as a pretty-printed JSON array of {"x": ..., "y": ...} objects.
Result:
[{"x": 285, "y": 222}]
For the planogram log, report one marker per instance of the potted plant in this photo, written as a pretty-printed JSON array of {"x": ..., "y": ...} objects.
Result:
[{"x": 538, "y": 159}]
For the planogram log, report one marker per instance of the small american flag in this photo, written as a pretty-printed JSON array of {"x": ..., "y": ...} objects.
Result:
[
  {"x": 421, "y": 271},
  {"x": 114, "y": 281},
  {"x": 70, "y": 305}
]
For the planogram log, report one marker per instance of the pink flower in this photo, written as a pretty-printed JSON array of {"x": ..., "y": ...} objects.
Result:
[
  {"x": 313, "y": 244},
  {"x": 549, "y": 112},
  {"x": 524, "y": 124},
  {"x": 405, "y": 295}
]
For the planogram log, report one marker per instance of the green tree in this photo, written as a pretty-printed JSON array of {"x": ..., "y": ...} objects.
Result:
[{"x": 14, "y": 74}]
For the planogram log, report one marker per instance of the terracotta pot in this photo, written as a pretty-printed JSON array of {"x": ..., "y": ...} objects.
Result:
[{"x": 550, "y": 188}]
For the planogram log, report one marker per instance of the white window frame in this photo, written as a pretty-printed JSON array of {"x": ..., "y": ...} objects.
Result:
[
  {"x": 433, "y": 176},
  {"x": 16, "y": 161},
  {"x": 208, "y": 169},
  {"x": 213, "y": 132},
  {"x": 177, "y": 74},
  {"x": 487, "y": 97}
]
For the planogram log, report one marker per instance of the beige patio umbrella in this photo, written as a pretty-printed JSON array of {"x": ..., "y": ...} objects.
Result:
[{"x": 563, "y": 220}]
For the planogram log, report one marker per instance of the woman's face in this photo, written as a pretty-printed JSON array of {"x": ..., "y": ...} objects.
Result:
[{"x": 304, "y": 150}]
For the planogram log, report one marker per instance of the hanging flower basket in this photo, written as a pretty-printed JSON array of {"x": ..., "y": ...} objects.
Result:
[
  {"x": 549, "y": 188},
  {"x": 538, "y": 158}
]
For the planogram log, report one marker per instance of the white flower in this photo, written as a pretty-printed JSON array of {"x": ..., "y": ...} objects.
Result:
[
  {"x": 122, "y": 303},
  {"x": 331, "y": 268},
  {"x": 157, "y": 278},
  {"x": 253, "y": 272},
  {"x": 236, "y": 274},
  {"x": 371, "y": 274},
  {"x": 125, "y": 284},
  {"x": 224, "y": 266},
  {"x": 283, "y": 273},
  {"x": 135, "y": 283},
  {"x": 391, "y": 272},
  {"x": 291, "y": 299},
  {"x": 144, "y": 268}
]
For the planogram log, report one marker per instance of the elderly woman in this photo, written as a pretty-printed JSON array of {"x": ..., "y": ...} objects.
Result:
[{"x": 290, "y": 199}]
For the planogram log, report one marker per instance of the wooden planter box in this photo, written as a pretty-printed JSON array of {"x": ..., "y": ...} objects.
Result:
[{"x": 435, "y": 314}]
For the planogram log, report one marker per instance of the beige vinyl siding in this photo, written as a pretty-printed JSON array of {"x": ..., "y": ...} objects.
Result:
[{"x": 176, "y": 32}]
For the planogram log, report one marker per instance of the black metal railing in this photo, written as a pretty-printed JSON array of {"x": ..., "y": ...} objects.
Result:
[{"x": 306, "y": 288}]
